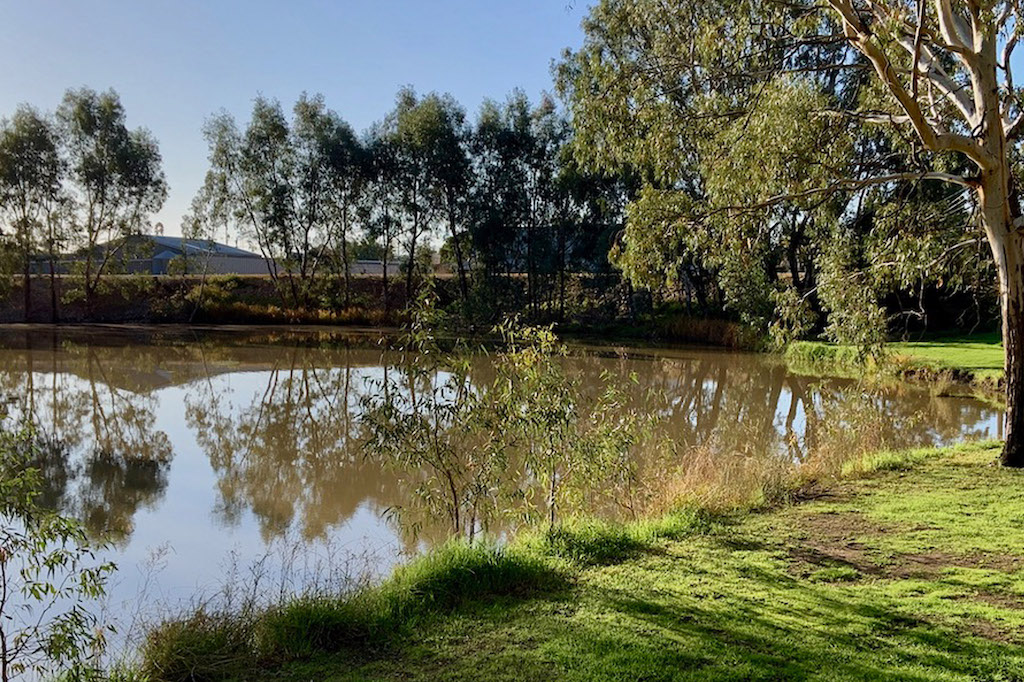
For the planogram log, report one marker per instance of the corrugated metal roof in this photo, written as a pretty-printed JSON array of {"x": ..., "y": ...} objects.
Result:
[{"x": 181, "y": 244}]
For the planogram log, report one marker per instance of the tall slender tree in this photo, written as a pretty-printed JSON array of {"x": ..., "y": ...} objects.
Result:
[
  {"x": 379, "y": 208},
  {"x": 116, "y": 179},
  {"x": 31, "y": 175},
  {"x": 411, "y": 134}
]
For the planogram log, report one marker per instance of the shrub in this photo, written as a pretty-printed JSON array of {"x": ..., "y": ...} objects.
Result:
[{"x": 49, "y": 573}]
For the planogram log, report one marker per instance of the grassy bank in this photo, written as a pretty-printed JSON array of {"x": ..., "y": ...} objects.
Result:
[
  {"x": 975, "y": 360},
  {"x": 911, "y": 568},
  {"x": 979, "y": 357}
]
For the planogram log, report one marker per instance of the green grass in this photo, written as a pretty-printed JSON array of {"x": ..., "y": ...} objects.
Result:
[
  {"x": 981, "y": 355},
  {"x": 888, "y": 460},
  {"x": 218, "y": 646},
  {"x": 913, "y": 572},
  {"x": 592, "y": 542},
  {"x": 977, "y": 358}
]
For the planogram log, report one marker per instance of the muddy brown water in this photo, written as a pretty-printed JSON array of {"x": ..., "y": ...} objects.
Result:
[{"x": 198, "y": 453}]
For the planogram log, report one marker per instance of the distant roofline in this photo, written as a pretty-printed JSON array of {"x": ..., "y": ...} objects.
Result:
[{"x": 201, "y": 246}]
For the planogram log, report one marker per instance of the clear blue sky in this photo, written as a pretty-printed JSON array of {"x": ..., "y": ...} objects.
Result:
[{"x": 176, "y": 62}]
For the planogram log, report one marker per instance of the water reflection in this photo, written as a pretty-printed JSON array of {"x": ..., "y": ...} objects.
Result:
[
  {"x": 101, "y": 457},
  {"x": 269, "y": 421},
  {"x": 289, "y": 452}
]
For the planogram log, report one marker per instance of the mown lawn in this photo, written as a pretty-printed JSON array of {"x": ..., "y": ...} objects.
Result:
[
  {"x": 978, "y": 357},
  {"x": 979, "y": 354},
  {"x": 911, "y": 573}
]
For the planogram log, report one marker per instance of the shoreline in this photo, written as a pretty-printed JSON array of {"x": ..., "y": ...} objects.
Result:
[{"x": 468, "y": 610}]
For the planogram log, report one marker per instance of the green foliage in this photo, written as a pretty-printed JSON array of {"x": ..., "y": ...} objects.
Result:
[
  {"x": 524, "y": 445},
  {"x": 290, "y": 186},
  {"x": 49, "y": 573},
  {"x": 31, "y": 196},
  {"x": 115, "y": 179},
  {"x": 426, "y": 420},
  {"x": 212, "y": 292},
  {"x": 746, "y": 123}
]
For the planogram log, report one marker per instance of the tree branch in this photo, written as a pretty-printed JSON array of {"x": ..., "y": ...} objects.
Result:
[
  {"x": 849, "y": 185},
  {"x": 953, "y": 29},
  {"x": 861, "y": 37}
]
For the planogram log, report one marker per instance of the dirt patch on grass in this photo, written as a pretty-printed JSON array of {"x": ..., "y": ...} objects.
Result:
[
  {"x": 843, "y": 539},
  {"x": 1003, "y": 601},
  {"x": 931, "y": 564},
  {"x": 987, "y": 630},
  {"x": 834, "y": 539}
]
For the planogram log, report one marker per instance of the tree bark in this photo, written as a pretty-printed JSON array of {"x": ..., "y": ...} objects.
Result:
[
  {"x": 345, "y": 256},
  {"x": 411, "y": 265},
  {"x": 1013, "y": 346},
  {"x": 999, "y": 211},
  {"x": 28, "y": 289},
  {"x": 54, "y": 314}
]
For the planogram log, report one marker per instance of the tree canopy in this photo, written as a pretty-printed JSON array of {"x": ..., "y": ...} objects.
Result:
[{"x": 872, "y": 144}]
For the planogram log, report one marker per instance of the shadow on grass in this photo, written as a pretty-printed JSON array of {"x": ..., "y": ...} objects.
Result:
[{"x": 775, "y": 626}]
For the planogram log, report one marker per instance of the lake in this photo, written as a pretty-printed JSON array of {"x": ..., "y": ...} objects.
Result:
[{"x": 211, "y": 457}]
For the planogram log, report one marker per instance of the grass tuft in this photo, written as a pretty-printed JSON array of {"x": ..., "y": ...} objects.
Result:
[
  {"x": 459, "y": 572},
  {"x": 835, "y": 574},
  {"x": 592, "y": 542},
  {"x": 203, "y": 647},
  {"x": 589, "y": 542},
  {"x": 315, "y": 624}
]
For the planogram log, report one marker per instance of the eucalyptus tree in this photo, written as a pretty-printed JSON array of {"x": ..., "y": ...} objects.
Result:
[
  {"x": 498, "y": 200},
  {"x": 443, "y": 123},
  {"x": 31, "y": 174},
  {"x": 736, "y": 109},
  {"x": 116, "y": 181},
  {"x": 516, "y": 156},
  {"x": 225, "y": 201},
  {"x": 541, "y": 143},
  {"x": 348, "y": 163},
  {"x": 412, "y": 134},
  {"x": 588, "y": 211},
  {"x": 279, "y": 183},
  {"x": 267, "y": 191},
  {"x": 325, "y": 184},
  {"x": 379, "y": 208}
]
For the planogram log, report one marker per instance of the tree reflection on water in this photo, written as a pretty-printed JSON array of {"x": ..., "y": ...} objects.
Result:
[{"x": 290, "y": 451}]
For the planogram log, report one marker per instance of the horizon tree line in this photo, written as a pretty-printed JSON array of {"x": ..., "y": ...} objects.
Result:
[
  {"x": 498, "y": 196},
  {"x": 512, "y": 199},
  {"x": 77, "y": 178}
]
